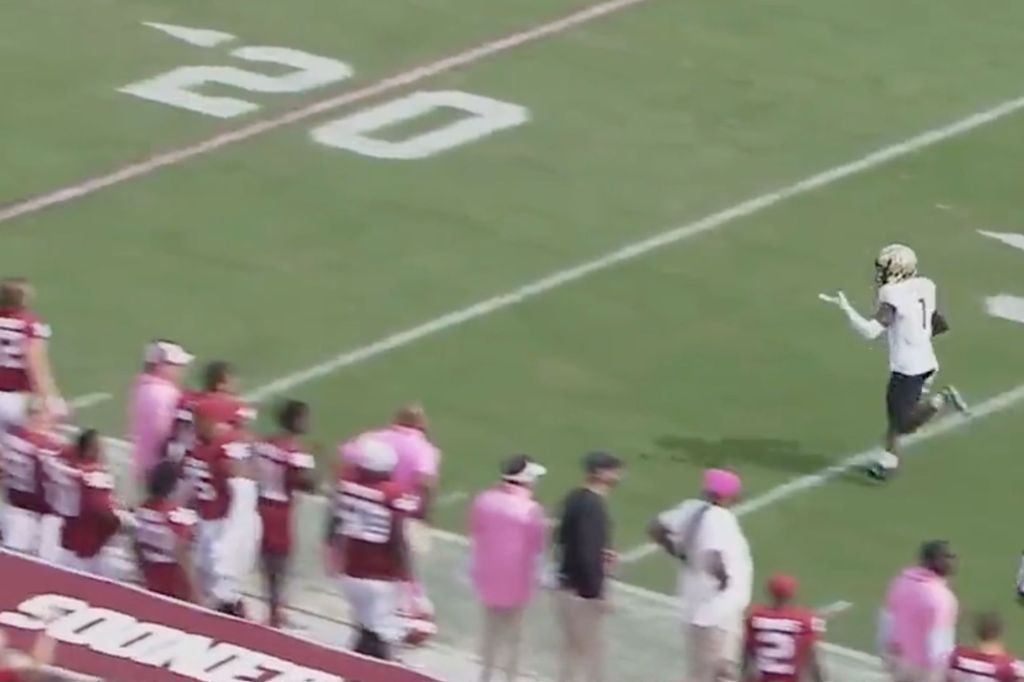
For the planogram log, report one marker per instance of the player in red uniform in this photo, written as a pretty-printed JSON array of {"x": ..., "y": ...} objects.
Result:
[
  {"x": 24, "y": 450},
  {"x": 24, "y": 362},
  {"x": 218, "y": 398},
  {"x": 987, "y": 661},
  {"x": 83, "y": 492},
  {"x": 220, "y": 473},
  {"x": 163, "y": 537},
  {"x": 285, "y": 467},
  {"x": 781, "y": 638},
  {"x": 365, "y": 541}
]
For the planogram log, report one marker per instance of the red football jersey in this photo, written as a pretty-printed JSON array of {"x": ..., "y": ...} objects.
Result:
[
  {"x": 226, "y": 408},
  {"x": 8, "y": 675},
  {"x": 781, "y": 642},
  {"x": 208, "y": 468},
  {"x": 370, "y": 514},
  {"x": 17, "y": 329},
  {"x": 161, "y": 526},
  {"x": 284, "y": 469},
  {"x": 23, "y": 457},
  {"x": 970, "y": 665},
  {"x": 87, "y": 531}
]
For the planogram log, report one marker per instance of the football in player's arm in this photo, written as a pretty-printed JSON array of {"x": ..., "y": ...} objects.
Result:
[
  {"x": 908, "y": 315},
  {"x": 285, "y": 467},
  {"x": 781, "y": 639}
]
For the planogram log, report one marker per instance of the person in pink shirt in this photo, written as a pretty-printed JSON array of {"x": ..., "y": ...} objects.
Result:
[
  {"x": 506, "y": 531},
  {"x": 154, "y": 401},
  {"x": 917, "y": 627}
]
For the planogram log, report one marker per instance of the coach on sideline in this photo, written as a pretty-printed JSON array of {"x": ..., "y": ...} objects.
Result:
[
  {"x": 583, "y": 543},
  {"x": 154, "y": 403},
  {"x": 715, "y": 576},
  {"x": 506, "y": 530}
]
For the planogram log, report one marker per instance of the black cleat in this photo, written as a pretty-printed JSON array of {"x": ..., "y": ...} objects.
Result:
[{"x": 877, "y": 472}]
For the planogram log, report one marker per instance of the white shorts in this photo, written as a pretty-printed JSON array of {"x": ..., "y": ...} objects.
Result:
[
  {"x": 21, "y": 529},
  {"x": 12, "y": 408},
  {"x": 374, "y": 605},
  {"x": 226, "y": 556}
]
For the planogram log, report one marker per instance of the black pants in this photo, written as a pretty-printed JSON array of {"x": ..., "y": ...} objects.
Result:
[{"x": 901, "y": 398}]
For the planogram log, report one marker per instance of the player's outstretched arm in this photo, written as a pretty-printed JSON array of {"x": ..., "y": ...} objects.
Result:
[
  {"x": 870, "y": 329},
  {"x": 660, "y": 536}
]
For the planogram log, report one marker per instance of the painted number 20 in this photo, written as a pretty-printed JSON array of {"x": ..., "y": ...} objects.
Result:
[{"x": 183, "y": 88}]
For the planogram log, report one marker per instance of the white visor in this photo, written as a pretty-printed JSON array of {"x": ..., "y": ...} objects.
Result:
[{"x": 530, "y": 473}]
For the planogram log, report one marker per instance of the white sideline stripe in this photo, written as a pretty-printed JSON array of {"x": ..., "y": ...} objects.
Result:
[
  {"x": 88, "y": 400},
  {"x": 400, "y": 80},
  {"x": 797, "y": 485},
  {"x": 634, "y": 250},
  {"x": 835, "y": 608},
  {"x": 448, "y": 499}
]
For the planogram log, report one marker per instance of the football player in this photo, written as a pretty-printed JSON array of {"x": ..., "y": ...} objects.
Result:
[
  {"x": 908, "y": 315},
  {"x": 24, "y": 362},
  {"x": 221, "y": 476},
  {"x": 285, "y": 467},
  {"x": 25, "y": 450},
  {"x": 986, "y": 660},
  {"x": 781, "y": 639},
  {"x": 219, "y": 398},
  {"x": 84, "y": 495},
  {"x": 365, "y": 542},
  {"x": 163, "y": 537}
]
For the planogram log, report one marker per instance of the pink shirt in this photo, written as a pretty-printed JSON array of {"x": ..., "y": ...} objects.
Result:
[
  {"x": 153, "y": 404},
  {"x": 418, "y": 459},
  {"x": 506, "y": 531},
  {"x": 921, "y": 613}
]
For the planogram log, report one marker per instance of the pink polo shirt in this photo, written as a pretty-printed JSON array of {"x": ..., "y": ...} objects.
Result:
[
  {"x": 506, "y": 531},
  {"x": 153, "y": 404},
  {"x": 418, "y": 459},
  {"x": 920, "y": 613}
]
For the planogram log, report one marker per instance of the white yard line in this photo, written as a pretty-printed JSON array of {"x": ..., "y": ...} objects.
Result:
[
  {"x": 84, "y": 402},
  {"x": 247, "y": 132},
  {"x": 631, "y": 251},
  {"x": 800, "y": 484},
  {"x": 834, "y": 609}
]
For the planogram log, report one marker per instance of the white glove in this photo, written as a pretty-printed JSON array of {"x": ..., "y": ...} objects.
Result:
[{"x": 839, "y": 299}]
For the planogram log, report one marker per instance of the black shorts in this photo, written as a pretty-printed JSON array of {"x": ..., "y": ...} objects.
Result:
[{"x": 901, "y": 398}]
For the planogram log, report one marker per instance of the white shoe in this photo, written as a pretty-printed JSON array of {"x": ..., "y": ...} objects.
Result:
[{"x": 955, "y": 398}]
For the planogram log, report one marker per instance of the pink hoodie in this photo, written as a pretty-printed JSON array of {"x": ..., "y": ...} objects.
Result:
[{"x": 919, "y": 619}]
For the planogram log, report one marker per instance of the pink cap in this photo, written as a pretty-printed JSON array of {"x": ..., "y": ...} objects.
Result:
[{"x": 722, "y": 483}]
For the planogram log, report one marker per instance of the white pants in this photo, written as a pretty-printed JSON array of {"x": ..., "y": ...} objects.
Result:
[
  {"x": 12, "y": 408},
  {"x": 21, "y": 529},
  {"x": 374, "y": 605},
  {"x": 108, "y": 563},
  {"x": 226, "y": 556}
]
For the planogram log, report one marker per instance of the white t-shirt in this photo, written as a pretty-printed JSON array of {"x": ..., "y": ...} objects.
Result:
[
  {"x": 910, "y": 334},
  {"x": 703, "y": 602}
]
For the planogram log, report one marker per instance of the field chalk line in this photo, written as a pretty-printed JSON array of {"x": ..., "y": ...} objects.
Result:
[
  {"x": 412, "y": 76},
  {"x": 943, "y": 426},
  {"x": 634, "y": 250}
]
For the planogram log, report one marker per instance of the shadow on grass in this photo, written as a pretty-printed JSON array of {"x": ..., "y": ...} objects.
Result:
[{"x": 768, "y": 453}]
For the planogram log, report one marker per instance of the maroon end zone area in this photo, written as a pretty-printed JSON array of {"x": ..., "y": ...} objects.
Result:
[{"x": 120, "y": 632}]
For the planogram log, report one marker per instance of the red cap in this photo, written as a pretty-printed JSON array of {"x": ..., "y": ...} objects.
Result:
[{"x": 782, "y": 586}]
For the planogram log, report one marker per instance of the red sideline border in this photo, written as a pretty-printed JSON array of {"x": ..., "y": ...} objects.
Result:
[{"x": 199, "y": 644}]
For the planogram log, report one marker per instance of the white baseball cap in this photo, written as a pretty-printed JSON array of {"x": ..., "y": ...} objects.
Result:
[
  {"x": 168, "y": 353},
  {"x": 377, "y": 456}
]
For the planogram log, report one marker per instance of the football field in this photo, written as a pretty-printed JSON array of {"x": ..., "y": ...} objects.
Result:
[{"x": 563, "y": 226}]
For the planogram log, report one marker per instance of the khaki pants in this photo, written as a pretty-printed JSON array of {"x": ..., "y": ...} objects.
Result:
[
  {"x": 503, "y": 630},
  {"x": 712, "y": 654},
  {"x": 583, "y": 646}
]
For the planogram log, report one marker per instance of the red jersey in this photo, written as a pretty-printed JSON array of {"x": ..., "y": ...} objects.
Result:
[
  {"x": 284, "y": 469},
  {"x": 162, "y": 526},
  {"x": 18, "y": 328},
  {"x": 781, "y": 642},
  {"x": 208, "y": 467},
  {"x": 8, "y": 675},
  {"x": 370, "y": 515},
  {"x": 23, "y": 457},
  {"x": 89, "y": 520},
  {"x": 970, "y": 665},
  {"x": 226, "y": 408}
]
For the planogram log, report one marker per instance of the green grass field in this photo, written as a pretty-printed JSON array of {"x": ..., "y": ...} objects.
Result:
[{"x": 284, "y": 254}]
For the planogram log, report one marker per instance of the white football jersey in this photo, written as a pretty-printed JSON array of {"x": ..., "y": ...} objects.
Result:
[{"x": 910, "y": 334}]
